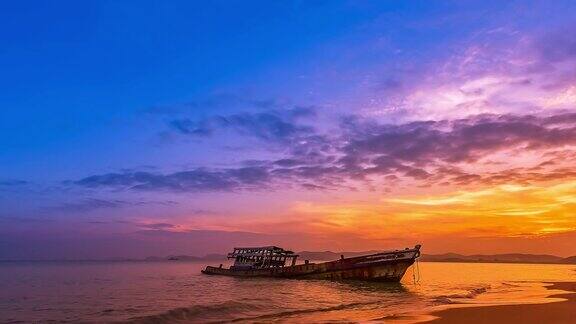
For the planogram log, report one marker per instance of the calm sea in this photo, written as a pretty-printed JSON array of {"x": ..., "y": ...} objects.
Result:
[{"x": 156, "y": 292}]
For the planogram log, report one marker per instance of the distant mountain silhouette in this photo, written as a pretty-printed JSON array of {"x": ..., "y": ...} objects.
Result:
[
  {"x": 496, "y": 258},
  {"x": 446, "y": 257},
  {"x": 569, "y": 260}
]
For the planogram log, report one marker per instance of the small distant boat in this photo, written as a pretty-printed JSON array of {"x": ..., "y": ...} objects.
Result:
[{"x": 272, "y": 261}]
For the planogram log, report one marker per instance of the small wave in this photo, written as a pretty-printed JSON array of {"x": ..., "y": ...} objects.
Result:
[
  {"x": 509, "y": 285},
  {"x": 197, "y": 313},
  {"x": 472, "y": 293},
  {"x": 306, "y": 311},
  {"x": 443, "y": 300}
]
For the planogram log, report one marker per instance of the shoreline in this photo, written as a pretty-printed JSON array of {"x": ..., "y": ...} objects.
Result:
[{"x": 553, "y": 312}]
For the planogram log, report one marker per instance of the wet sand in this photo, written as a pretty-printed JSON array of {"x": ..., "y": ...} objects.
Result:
[{"x": 555, "y": 312}]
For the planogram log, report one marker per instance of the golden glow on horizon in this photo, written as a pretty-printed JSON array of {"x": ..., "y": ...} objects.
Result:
[{"x": 503, "y": 211}]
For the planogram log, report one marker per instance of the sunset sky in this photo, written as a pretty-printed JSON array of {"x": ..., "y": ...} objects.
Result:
[{"x": 138, "y": 128}]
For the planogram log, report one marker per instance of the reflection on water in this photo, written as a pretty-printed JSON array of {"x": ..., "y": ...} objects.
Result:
[{"x": 172, "y": 291}]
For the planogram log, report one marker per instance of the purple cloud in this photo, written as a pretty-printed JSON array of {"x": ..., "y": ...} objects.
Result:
[
  {"x": 429, "y": 152},
  {"x": 197, "y": 180}
]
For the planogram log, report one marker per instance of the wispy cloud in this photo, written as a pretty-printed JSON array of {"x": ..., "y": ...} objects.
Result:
[
  {"x": 500, "y": 70},
  {"x": 91, "y": 204}
]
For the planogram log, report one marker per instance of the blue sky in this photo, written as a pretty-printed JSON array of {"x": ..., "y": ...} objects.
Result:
[
  {"x": 95, "y": 91},
  {"x": 75, "y": 74}
]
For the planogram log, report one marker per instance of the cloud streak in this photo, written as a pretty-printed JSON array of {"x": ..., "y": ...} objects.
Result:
[
  {"x": 456, "y": 152},
  {"x": 91, "y": 204},
  {"x": 196, "y": 180},
  {"x": 12, "y": 182},
  {"x": 272, "y": 125}
]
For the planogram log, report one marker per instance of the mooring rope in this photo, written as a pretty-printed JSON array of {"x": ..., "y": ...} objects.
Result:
[{"x": 416, "y": 272}]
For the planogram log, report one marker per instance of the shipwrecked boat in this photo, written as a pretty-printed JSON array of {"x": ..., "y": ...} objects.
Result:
[{"x": 272, "y": 261}]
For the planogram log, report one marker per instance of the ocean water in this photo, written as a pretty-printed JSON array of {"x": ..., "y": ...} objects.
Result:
[{"x": 176, "y": 292}]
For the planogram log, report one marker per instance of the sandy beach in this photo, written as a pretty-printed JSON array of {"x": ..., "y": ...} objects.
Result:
[{"x": 556, "y": 312}]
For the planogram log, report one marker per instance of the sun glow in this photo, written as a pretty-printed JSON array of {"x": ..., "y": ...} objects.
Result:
[{"x": 503, "y": 211}]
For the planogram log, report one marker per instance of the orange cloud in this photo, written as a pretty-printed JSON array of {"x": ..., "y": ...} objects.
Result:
[{"x": 502, "y": 211}]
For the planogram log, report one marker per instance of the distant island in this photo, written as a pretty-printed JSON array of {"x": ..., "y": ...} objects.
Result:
[{"x": 208, "y": 257}]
